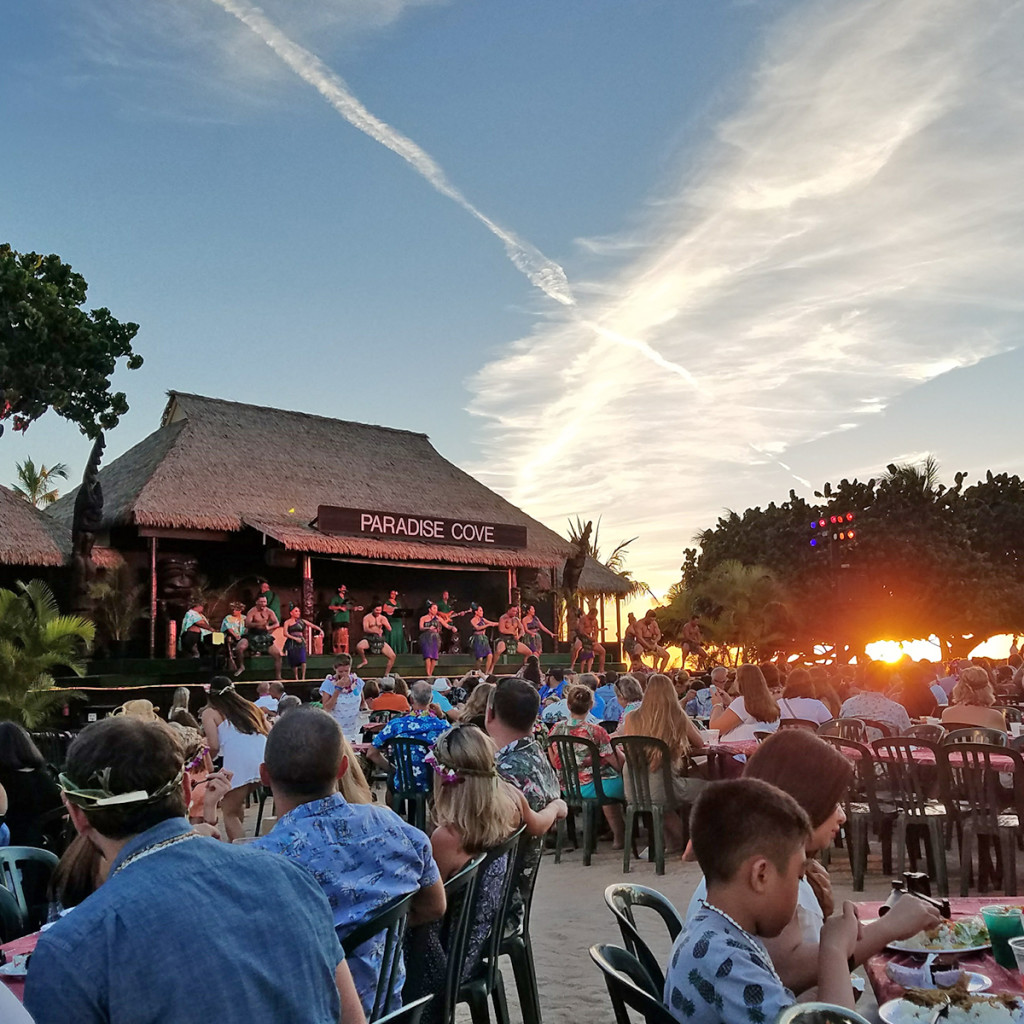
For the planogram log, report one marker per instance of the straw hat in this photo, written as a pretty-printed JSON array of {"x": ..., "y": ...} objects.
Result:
[{"x": 141, "y": 708}]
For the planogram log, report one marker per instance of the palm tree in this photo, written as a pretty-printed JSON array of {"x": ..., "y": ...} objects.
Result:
[
  {"x": 616, "y": 561},
  {"x": 921, "y": 478},
  {"x": 33, "y": 483},
  {"x": 35, "y": 639}
]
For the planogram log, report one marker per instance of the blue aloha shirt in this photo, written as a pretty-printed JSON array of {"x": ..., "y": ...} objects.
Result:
[
  {"x": 720, "y": 974},
  {"x": 363, "y": 856},
  {"x": 417, "y": 727}
]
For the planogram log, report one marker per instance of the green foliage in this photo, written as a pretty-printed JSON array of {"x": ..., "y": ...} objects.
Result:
[
  {"x": 54, "y": 354},
  {"x": 926, "y": 559},
  {"x": 118, "y": 602},
  {"x": 616, "y": 561},
  {"x": 34, "y": 484},
  {"x": 35, "y": 639}
]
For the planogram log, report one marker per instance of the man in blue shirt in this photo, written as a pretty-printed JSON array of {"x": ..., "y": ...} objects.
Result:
[
  {"x": 264, "y": 928},
  {"x": 419, "y": 724},
  {"x": 364, "y": 856},
  {"x": 611, "y": 709}
]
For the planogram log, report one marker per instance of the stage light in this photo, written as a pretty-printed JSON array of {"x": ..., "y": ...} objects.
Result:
[
  {"x": 842, "y": 536},
  {"x": 814, "y": 542},
  {"x": 849, "y": 534},
  {"x": 849, "y": 517},
  {"x": 821, "y": 522},
  {"x": 833, "y": 519},
  {"x": 814, "y": 525}
]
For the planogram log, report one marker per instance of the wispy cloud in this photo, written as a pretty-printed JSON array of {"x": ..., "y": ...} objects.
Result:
[{"x": 856, "y": 227}]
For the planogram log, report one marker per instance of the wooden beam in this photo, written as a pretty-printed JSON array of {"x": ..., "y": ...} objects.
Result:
[
  {"x": 209, "y": 535},
  {"x": 618, "y": 617}
]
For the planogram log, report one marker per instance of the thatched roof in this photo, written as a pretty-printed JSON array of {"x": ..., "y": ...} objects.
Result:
[
  {"x": 28, "y": 536},
  {"x": 597, "y": 578},
  {"x": 197, "y": 472}
]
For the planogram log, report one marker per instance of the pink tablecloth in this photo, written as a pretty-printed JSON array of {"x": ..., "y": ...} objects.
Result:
[
  {"x": 1003, "y": 980},
  {"x": 25, "y": 944}
]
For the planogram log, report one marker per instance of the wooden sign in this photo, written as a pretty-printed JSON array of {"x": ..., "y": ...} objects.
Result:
[{"x": 361, "y": 522}]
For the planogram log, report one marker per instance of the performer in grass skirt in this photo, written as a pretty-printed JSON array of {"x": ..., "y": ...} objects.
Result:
[
  {"x": 479, "y": 645},
  {"x": 534, "y": 627},
  {"x": 431, "y": 625}
]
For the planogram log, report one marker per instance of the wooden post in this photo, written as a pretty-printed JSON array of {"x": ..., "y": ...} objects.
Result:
[
  {"x": 618, "y": 617},
  {"x": 152, "y": 597},
  {"x": 307, "y": 587},
  {"x": 600, "y": 597}
]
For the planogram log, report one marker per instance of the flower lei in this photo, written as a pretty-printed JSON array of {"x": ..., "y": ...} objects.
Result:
[{"x": 449, "y": 776}]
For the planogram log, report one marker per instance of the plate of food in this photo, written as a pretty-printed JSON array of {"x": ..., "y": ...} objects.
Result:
[
  {"x": 968, "y": 935},
  {"x": 920, "y": 1006}
]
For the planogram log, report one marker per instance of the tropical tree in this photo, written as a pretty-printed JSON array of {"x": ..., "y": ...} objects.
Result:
[
  {"x": 616, "y": 560},
  {"x": 36, "y": 639},
  {"x": 53, "y": 353},
  {"x": 34, "y": 484},
  {"x": 117, "y": 598}
]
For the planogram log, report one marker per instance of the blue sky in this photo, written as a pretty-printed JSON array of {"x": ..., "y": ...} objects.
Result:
[{"x": 684, "y": 256}]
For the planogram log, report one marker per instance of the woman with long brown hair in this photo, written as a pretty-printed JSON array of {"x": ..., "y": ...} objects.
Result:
[
  {"x": 662, "y": 716},
  {"x": 237, "y": 729},
  {"x": 754, "y": 710}
]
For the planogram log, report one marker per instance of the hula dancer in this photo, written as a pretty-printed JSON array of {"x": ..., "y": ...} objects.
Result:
[
  {"x": 431, "y": 625},
  {"x": 374, "y": 625},
  {"x": 631, "y": 645},
  {"x": 394, "y": 636},
  {"x": 295, "y": 640},
  {"x": 479, "y": 645},
  {"x": 510, "y": 631},
  {"x": 341, "y": 609},
  {"x": 534, "y": 627},
  {"x": 585, "y": 646}
]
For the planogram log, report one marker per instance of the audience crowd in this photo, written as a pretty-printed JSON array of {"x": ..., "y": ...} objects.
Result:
[{"x": 166, "y": 903}]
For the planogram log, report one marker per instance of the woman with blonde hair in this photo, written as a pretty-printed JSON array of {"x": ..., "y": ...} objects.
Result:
[
  {"x": 474, "y": 711},
  {"x": 475, "y": 810},
  {"x": 352, "y": 782},
  {"x": 971, "y": 702},
  {"x": 661, "y": 716},
  {"x": 629, "y": 694},
  {"x": 237, "y": 729},
  {"x": 754, "y": 710}
]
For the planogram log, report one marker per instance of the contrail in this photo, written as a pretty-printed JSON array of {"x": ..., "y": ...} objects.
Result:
[{"x": 542, "y": 272}]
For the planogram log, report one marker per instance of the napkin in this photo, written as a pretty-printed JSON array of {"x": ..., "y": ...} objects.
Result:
[{"x": 920, "y": 976}]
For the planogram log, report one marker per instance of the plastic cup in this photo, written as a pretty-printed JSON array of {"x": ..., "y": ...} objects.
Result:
[
  {"x": 1016, "y": 729},
  {"x": 711, "y": 736},
  {"x": 1003, "y": 923},
  {"x": 1017, "y": 948},
  {"x": 932, "y": 721}
]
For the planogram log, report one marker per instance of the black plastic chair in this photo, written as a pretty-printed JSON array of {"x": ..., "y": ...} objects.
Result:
[
  {"x": 12, "y": 920},
  {"x": 389, "y": 922},
  {"x": 975, "y": 787},
  {"x": 884, "y": 729},
  {"x": 573, "y": 752},
  {"x": 976, "y": 734},
  {"x": 263, "y": 794},
  {"x": 639, "y": 752},
  {"x": 408, "y": 794},
  {"x": 1011, "y": 714},
  {"x": 847, "y": 728},
  {"x": 798, "y": 723},
  {"x": 907, "y": 783},
  {"x": 408, "y": 1014},
  {"x": 460, "y": 891},
  {"x": 26, "y": 872},
  {"x": 486, "y": 982},
  {"x": 931, "y": 733},
  {"x": 516, "y": 943},
  {"x": 865, "y": 810},
  {"x": 621, "y": 899},
  {"x": 630, "y": 986}
]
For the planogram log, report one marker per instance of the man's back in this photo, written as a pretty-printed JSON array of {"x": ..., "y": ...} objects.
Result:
[
  {"x": 363, "y": 856},
  {"x": 193, "y": 930}
]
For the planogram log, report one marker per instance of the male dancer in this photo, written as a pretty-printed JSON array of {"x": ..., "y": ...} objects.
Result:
[
  {"x": 374, "y": 625},
  {"x": 341, "y": 608},
  {"x": 586, "y": 641},
  {"x": 510, "y": 633}
]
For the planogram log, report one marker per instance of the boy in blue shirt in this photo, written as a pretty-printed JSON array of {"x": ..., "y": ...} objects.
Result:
[{"x": 749, "y": 838}]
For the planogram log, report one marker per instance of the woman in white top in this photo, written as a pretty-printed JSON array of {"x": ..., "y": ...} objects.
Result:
[
  {"x": 798, "y": 700},
  {"x": 237, "y": 729},
  {"x": 754, "y": 710}
]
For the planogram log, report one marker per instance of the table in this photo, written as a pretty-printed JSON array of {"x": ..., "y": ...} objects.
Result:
[
  {"x": 722, "y": 763},
  {"x": 1005, "y": 980},
  {"x": 25, "y": 944}
]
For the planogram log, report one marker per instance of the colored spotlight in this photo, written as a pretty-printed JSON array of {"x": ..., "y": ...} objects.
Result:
[
  {"x": 814, "y": 542},
  {"x": 849, "y": 534},
  {"x": 849, "y": 517}
]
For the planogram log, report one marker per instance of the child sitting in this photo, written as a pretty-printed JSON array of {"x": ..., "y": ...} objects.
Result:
[{"x": 750, "y": 839}]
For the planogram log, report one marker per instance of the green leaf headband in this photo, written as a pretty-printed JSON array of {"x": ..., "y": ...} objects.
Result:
[{"x": 103, "y": 797}]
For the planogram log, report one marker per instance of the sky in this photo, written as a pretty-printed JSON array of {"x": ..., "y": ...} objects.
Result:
[{"x": 643, "y": 260}]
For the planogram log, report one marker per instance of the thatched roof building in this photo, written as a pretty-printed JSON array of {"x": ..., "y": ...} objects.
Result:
[
  {"x": 28, "y": 536},
  {"x": 202, "y": 472}
]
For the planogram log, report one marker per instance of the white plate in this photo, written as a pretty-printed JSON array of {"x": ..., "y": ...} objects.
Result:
[
  {"x": 902, "y": 1011},
  {"x": 902, "y": 947}
]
